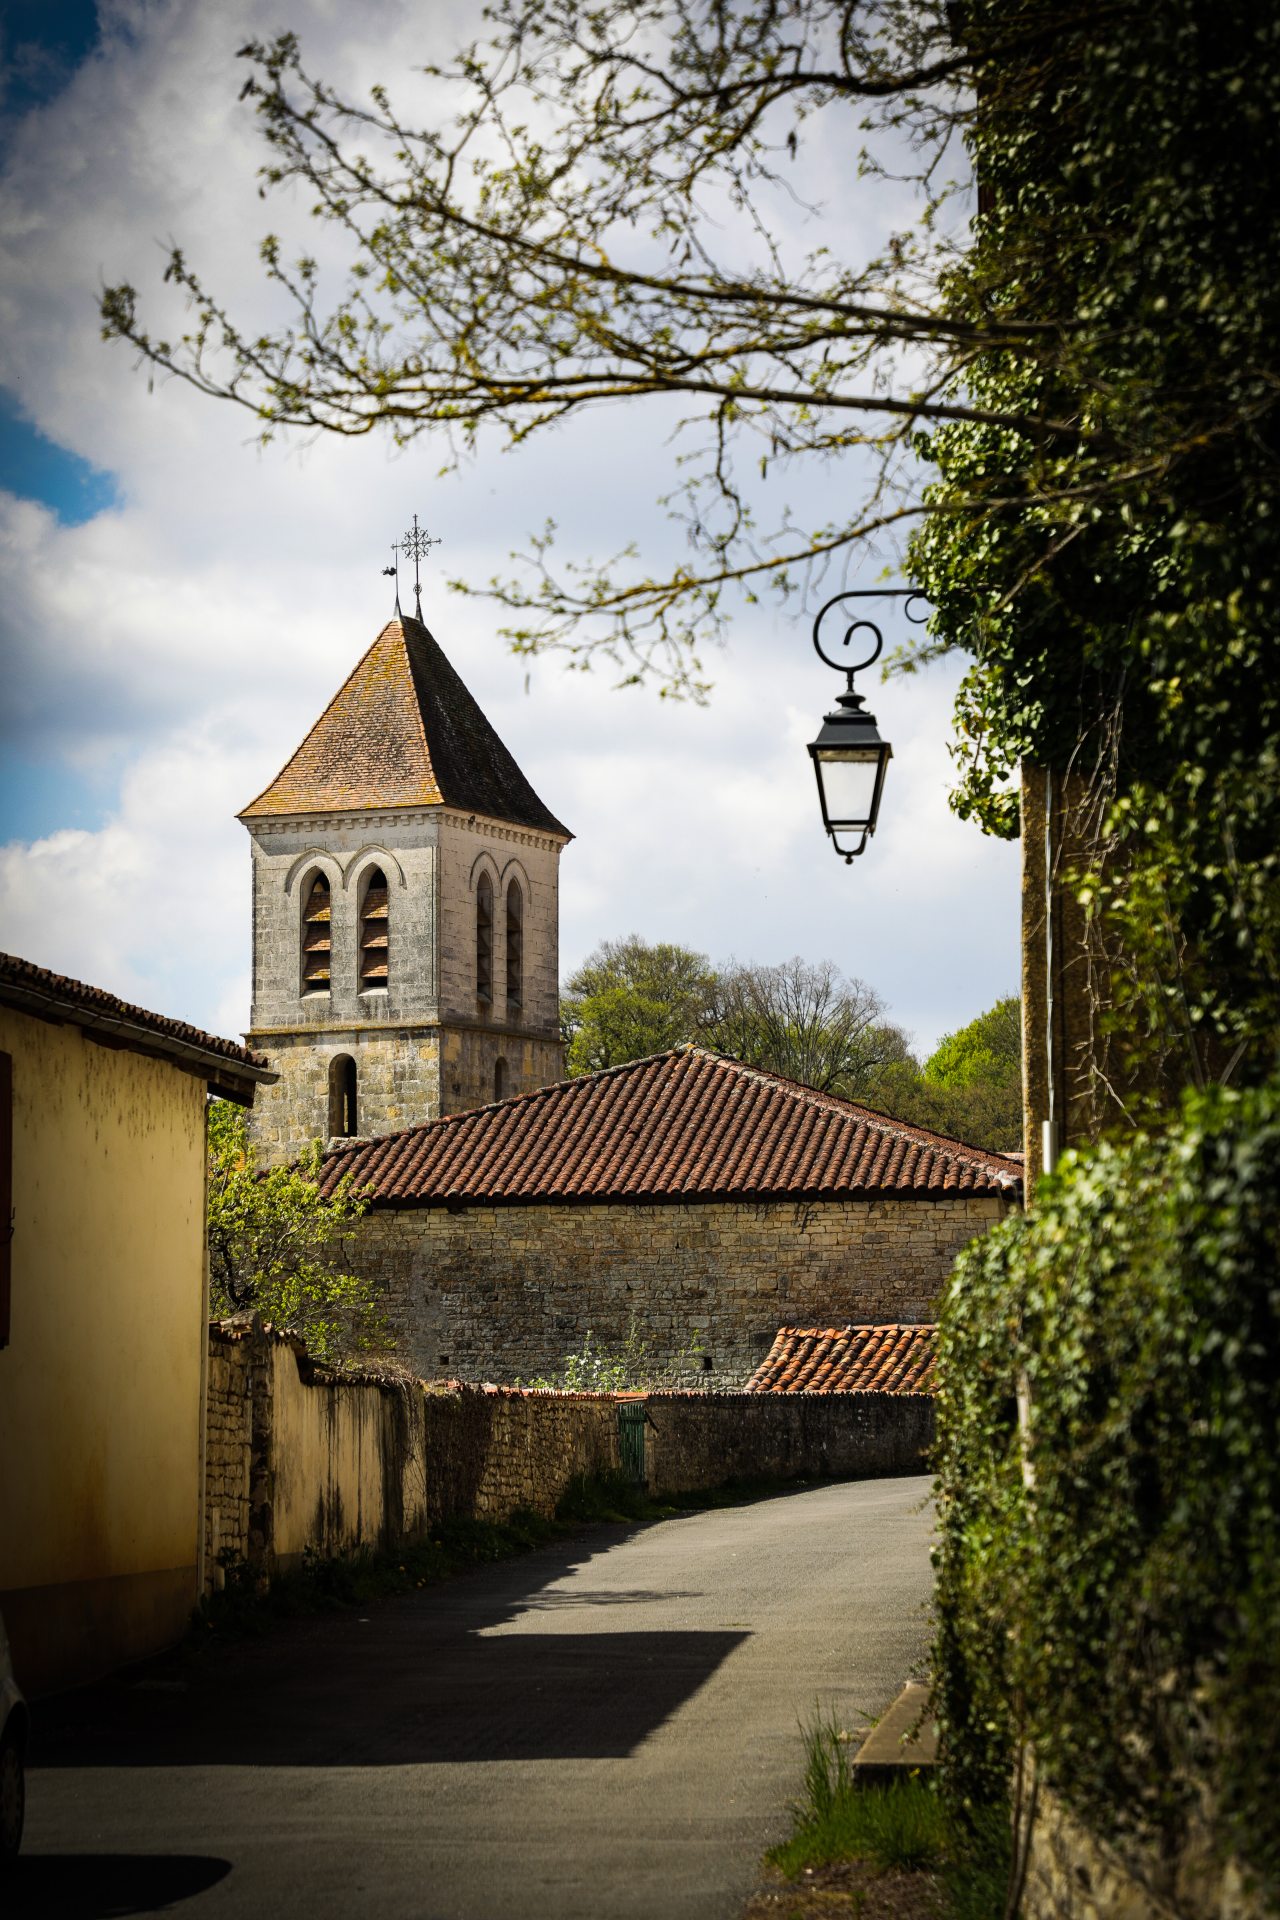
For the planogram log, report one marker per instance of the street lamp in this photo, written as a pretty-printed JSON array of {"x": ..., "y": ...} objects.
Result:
[{"x": 849, "y": 757}]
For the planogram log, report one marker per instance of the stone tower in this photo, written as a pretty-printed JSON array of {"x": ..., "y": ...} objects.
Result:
[{"x": 405, "y": 911}]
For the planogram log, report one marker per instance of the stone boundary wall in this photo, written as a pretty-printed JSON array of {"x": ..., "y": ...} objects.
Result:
[
  {"x": 299, "y": 1458},
  {"x": 505, "y": 1292},
  {"x": 702, "y": 1439},
  {"x": 1073, "y": 1875}
]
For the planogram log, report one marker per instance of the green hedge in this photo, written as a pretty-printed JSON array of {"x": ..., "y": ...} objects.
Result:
[{"x": 1123, "y": 1614}]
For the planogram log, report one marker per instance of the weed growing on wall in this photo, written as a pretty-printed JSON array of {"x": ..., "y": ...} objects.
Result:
[
  {"x": 1107, "y": 1585},
  {"x": 631, "y": 1367}
]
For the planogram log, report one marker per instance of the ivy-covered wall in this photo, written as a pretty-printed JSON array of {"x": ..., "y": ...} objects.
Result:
[{"x": 1109, "y": 1566}]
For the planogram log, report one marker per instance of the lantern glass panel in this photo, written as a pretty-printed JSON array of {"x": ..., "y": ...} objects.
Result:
[{"x": 848, "y": 776}]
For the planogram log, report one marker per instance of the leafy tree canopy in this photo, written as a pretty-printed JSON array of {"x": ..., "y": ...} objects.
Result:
[
  {"x": 988, "y": 1049},
  {"x": 276, "y": 1247},
  {"x": 630, "y": 999}
]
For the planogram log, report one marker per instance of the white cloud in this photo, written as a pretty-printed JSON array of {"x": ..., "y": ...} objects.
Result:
[{"x": 193, "y": 633}]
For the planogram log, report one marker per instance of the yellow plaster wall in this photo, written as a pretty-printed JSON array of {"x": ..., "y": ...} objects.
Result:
[
  {"x": 344, "y": 1470},
  {"x": 101, "y": 1384}
]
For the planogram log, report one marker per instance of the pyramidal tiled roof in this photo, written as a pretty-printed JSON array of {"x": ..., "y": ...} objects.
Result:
[
  {"x": 403, "y": 731},
  {"x": 688, "y": 1124},
  {"x": 883, "y": 1359}
]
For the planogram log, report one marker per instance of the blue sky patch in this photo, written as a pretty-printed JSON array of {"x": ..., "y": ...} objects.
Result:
[
  {"x": 38, "y": 469},
  {"x": 42, "y": 42},
  {"x": 39, "y": 797}
]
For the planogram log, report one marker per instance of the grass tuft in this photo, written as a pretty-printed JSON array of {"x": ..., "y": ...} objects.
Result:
[{"x": 901, "y": 1827}]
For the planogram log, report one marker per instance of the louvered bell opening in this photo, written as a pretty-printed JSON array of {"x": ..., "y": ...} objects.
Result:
[
  {"x": 484, "y": 940},
  {"x": 317, "y": 940},
  {"x": 375, "y": 934},
  {"x": 319, "y": 910}
]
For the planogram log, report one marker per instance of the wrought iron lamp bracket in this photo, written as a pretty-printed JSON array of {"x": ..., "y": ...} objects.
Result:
[{"x": 908, "y": 595}]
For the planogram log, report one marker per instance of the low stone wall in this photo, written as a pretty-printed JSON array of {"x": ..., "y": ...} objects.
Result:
[
  {"x": 491, "y": 1451},
  {"x": 297, "y": 1458},
  {"x": 1073, "y": 1875},
  {"x": 703, "y": 1439}
]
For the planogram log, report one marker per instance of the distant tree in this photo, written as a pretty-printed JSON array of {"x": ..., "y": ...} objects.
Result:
[
  {"x": 804, "y": 1019},
  {"x": 277, "y": 1247},
  {"x": 989, "y": 1048},
  {"x": 970, "y": 1087},
  {"x": 629, "y": 999}
]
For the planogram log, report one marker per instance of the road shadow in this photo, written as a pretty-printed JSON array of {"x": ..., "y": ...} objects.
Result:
[
  {"x": 105, "y": 1886},
  {"x": 454, "y": 1674}
]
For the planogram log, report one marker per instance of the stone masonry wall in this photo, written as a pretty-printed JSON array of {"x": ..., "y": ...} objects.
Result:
[
  {"x": 468, "y": 846},
  {"x": 424, "y": 1045},
  {"x": 235, "y": 1389},
  {"x": 503, "y": 1293},
  {"x": 299, "y": 1459},
  {"x": 1074, "y": 1875},
  {"x": 397, "y": 1085},
  {"x": 490, "y": 1453},
  {"x": 700, "y": 1439}
]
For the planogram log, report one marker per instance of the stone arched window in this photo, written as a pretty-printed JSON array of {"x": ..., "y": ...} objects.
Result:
[
  {"x": 375, "y": 932},
  {"x": 484, "y": 938},
  {"x": 515, "y": 946},
  {"x": 343, "y": 1114},
  {"x": 499, "y": 1079},
  {"x": 317, "y": 936}
]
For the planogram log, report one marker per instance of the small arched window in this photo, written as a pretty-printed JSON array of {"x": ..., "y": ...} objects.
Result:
[
  {"x": 499, "y": 1079},
  {"x": 317, "y": 937},
  {"x": 515, "y": 945},
  {"x": 342, "y": 1097},
  {"x": 484, "y": 938},
  {"x": 375, "y": 932}
]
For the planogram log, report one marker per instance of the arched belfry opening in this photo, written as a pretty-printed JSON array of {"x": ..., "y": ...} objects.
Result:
[
  {"x": 317, "y": 937},
  {"x": 515, "y": 948},
  {"x": 343, "y": 1115},
  {"x": 375, "y": 932},
  {"x": 484, "y": 938}
]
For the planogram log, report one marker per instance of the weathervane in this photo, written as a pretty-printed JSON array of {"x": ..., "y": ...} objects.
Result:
[
  {"x": 393, "y": 572},
  {"x": 415, "y": 546}
]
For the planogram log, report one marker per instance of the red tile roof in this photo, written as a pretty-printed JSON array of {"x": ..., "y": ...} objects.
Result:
[
  {"x": 230, "y": 1069},
  {"x": 889, "y": 1359},
  {"x": 403, "y": 731},
  {"x": 683, "y": 1125}
]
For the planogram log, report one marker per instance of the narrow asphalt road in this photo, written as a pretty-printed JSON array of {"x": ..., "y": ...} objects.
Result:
[{"x": 607, "y": 1727}]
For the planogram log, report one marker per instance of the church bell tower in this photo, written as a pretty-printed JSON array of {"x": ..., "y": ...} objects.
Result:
[{"x": 405, "y": 911}]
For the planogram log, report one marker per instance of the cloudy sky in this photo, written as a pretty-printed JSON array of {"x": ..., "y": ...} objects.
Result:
[{"x": 178, "y": 605}]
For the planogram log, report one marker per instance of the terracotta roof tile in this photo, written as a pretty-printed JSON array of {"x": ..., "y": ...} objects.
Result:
[
  {"x": 688, "y": 1124},
  {"x": 53, "y": 996},
  {"x": 886, "y": 1359},
  {"x": 403, "y": 731}
]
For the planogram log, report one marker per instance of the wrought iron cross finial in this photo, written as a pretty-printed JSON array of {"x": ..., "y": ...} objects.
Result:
[{"x": 416, "y": 546}]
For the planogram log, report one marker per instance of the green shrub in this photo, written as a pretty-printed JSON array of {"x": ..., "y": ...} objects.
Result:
[{"x": 1122, "y": 1612}]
